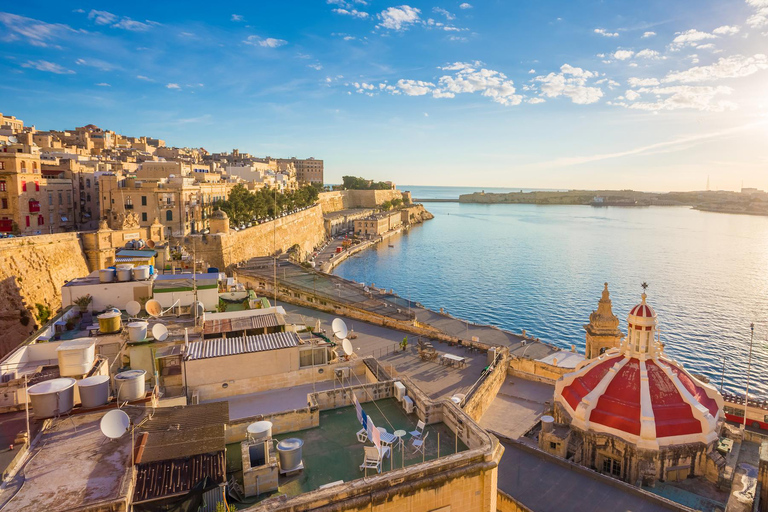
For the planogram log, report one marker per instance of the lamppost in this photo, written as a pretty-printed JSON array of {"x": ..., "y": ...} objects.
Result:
[{"x": 749, "y": 367}]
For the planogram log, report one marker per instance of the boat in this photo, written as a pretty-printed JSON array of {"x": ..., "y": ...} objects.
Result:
[{"x": 391, "y": 245}]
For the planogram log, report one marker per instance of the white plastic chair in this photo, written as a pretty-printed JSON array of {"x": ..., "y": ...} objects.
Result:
[
  {"x": 386, "y": 438},
  {"x": 373, "y": 458},
  {"x": 419, "y": 430},
  {"x": 362, "y": 435},
  {"x": 418, "y": 444}
]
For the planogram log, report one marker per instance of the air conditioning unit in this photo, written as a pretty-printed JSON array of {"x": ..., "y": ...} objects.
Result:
[
  {"x": 408, "y": 404},
  {"x": 342, "y": 373},
  {"x": 399, "y": 391}
]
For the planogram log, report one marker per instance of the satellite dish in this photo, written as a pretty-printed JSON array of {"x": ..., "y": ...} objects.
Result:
[
  {"x": 132, "y": 308},
  {"x": 159, "y": 332},
  {"x": 150, "y": 243},
  {"x": 115, "y": 424},
  {"x": 200, "y": 308},
  {"x": 13, "y": 139},
  {"x": 347, "y": 347},
  {"x": 153, "y": 308},
  {"x": 339, "y": 328}
]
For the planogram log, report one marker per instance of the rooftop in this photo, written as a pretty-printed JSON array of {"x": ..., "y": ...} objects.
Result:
[
  {"x": 331, "y": 452},
  {"x": 220, "y": 347}
]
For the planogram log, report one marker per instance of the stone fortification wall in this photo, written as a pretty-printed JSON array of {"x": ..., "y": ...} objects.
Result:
[
  {"x": 32, "y": 271},
  {"x": 331, "y": 201},
  {"x": 479, "y": 399},
  {"x": 369, "y": 198},
  {"x": 222, "y": 250}
]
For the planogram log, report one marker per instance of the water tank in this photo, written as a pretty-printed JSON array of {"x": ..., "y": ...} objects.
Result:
[
  {"x": 107, "y": 275},
  {"x": 491, "y": 356},
  {"x": 547, "y": 422},
  {"x": 289, "y": 452},
  {"x": 138, "y": 244},
  {"x": 94, "y": 391},
  {"x": 52, "y": 397},
  {"x": 130, "y": 385},
  {"x": 76, "y": 356},
  {"x": 259, "y": 430},
  {"x": 109, "y": 322},
  {"x": 125, "y": 274},
  {"x": 137, "y": 331},
  {"x": 141, "y": 273}
]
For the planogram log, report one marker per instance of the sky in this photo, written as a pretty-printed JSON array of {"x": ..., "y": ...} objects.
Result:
[{"x": 653, "y": 95}]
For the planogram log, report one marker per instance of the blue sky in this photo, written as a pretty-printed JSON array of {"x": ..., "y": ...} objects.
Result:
[{"x": 652, "y": 95}]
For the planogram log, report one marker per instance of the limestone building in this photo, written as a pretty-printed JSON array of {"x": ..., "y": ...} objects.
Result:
[
  {"x": 308, "y": 170},
  {"x": 603, "y": 331},
  {"x": 635, "y": 414}
]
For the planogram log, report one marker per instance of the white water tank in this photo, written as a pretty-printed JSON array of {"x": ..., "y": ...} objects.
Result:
[
  {"x": 76, "y": 356},
  {"x": 261, "y": 430},
  {"x": 106, "y": 275},
  {"x": 547, "y": 422},
  {"x": 141, "y": 273},
  {"x": 94, "y": 391},
  {"x": 125, "y": 274},
  {"x": 52, "y": 397},
  {"x": 130, "y": 385},
  {"x": 137, "y": 331}
]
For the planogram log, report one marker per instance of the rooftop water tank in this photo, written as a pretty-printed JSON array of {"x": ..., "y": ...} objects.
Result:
[
  {"x": 94, "y": 391},
  {"x": 125, "y": 274},
  {"x": 289, "y": 452},
  {"x": 107, "y": 275},
  {"x": 52, "y": 397},
  {"x": 260, "y": 430},
  {"x": 76, "y": 356},
  {"x": 141, "y": 273},
  {"x": 137, "y": 331},
  {"x": 130, "y": 385},
  {"x": 547, "y": 422},
  {"x": 109, "y": 322}
]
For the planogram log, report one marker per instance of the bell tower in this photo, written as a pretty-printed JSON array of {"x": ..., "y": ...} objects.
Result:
[{"x": 603, "y": 330}]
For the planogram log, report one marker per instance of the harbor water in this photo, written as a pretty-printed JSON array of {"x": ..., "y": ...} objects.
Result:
[{"x": 542, "y": 268}]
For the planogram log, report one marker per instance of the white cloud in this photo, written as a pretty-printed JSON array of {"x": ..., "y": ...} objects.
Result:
[
  {"x": 642, "y": 82},
  {"x": 735, "y": 66},
  {"x": 760, "y": 18},
  {"x": 605, "y": 33},
  {"x": 415, "y": 87},
  {"x": 316, "y": 67},
  {"x": 34, "y": 32},
  {"x": 237, "y": 17},
  {"x": 708, "y": 46},
  {"x": 103, "y": 84},
  {"x": 102, "y": 17},
  {"x": 444, "y": 12},
  {"x": 571, "y": 82},
  {"x": 469, "y": 79},
  {"x": 531, "y": 71},
  {"x": 684, "y": 97},
  {"x": 535, "y": 101},
  {"x": 269, "y": 42},
  {"x": 173, "y": 86},
  {"x": 465, "y": 5},
  {"x": 648, "y": 54},
  {"x": 399, "y": 18},
  {"x": 133, "y": 25},
  {"x": 142, "y": 77},
  {"x": 631, "y": 95},
  {"x": 96, "y": 63},
  {"x": 726, "y": 30},
  {"x": 623, "y": 54},
  {"x": 690, "y": 37},
  {"x": 351, "y": 12},
  {"x": 648, "y": 34},
  {"x": 49, "y": 67}
]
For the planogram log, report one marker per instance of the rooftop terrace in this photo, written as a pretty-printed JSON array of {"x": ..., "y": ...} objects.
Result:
[{"x": 331, "y": 452}]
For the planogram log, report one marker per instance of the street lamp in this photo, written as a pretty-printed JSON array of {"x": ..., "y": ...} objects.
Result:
[{"x": 749, "y": 367}]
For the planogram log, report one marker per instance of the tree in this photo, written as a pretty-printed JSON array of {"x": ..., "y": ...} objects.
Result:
[
  {"x": 386, "y": 205},
  {"x": 396, "y": 202},
  {"x": 355, "y": 183}
]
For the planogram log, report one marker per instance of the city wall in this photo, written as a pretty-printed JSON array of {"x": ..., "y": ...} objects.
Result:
[
  {"x": 223, "y": 250},
  {"x": 32, "y": 271},
  {"x": 344, "y": 199}
]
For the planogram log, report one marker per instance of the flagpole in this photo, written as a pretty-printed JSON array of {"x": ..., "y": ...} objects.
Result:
[{"x": 749, "y": 367}]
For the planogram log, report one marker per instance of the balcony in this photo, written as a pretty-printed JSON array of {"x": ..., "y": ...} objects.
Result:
[
  {"x": 129, "y": 206},
  {"x": 34, "y": 207}
]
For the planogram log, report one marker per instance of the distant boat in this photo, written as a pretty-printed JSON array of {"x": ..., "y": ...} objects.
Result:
[{"x": 391, "y": 245}]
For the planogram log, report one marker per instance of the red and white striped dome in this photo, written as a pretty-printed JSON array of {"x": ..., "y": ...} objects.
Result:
[{"x": 638, "y": 394}]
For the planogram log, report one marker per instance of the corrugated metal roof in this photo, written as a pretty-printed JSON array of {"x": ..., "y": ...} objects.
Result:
[
  {"x": 243, "y": 323},
  {"x": 175, "y": 477},
  {"x": 137, "y": 253},
  {"x": 220, "y": 347}
]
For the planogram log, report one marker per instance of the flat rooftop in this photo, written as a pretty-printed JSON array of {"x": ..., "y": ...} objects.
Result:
[
  {"x": 331, "y": 452},
  {"x": 517, "y": 407},
  {"x": 272, "y": 401}
]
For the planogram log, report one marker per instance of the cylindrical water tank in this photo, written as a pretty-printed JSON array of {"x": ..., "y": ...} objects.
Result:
[
  {"x": 107, "y": 275},
  {"x": 260, "y": 430},
  {"x": 289, "y": 451},
  {"x": 124, "y": 274},
  {"x": 52, "y": 397},
  {"x": 130, "y": 385},
  {"x": 547, "y": 422},
  {"x": 94, "y": 391},
  {"x": 109, "y": 322},
  {"x": 137, "y": 331},
  {"x": 141, "y": 273}
]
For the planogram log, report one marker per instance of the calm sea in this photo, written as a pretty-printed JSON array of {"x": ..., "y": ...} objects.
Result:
[{"x": 542, "y": 268}]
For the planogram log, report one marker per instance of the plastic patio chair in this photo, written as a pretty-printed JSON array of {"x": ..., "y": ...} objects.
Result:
[
  {"x": 418, "y": 444},
  {"x": 419, "y": 430}
]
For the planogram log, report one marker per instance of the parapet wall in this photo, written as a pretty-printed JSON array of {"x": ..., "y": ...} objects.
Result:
[
  {"x": 32, "y": 271},
  {"x": 222, "y": 250}
]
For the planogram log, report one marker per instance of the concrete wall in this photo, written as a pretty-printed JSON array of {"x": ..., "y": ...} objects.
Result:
[
  {"x": 222, "y": 250},
  {"x": 481, "y": 397},
  {"x": 535, "y": 370},
  {"x": 32, "y": 270},
  {"x": 506, "y": 503}
]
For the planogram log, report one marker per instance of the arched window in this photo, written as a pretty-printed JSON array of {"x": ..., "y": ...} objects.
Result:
[
  {"x": 169, "y": 215},
  {"x": 34, "y": 166},
  {"x": 23, "y": 166},
  {"x": 88, "y": 183}
]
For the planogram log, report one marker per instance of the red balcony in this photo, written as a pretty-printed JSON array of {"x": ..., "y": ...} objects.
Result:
[
  {"x": 6, "y": 225},
  {"x": 34, "y": 206}
]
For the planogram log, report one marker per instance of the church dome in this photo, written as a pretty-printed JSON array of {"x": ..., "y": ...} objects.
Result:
[{"x": 638, "y": 394}]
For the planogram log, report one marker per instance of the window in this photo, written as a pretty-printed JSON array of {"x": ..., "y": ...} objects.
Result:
[
  {"x": 4, "y": 204},
  {"x": 40, "y": 220},
  {"x": 27, "y": 220},
  {"x": 143, "y": 200},
  {"x": 552, "y": 445},
  {"x": 23, "y": 186},
  {"x": 611, "y": 466},
  {"x": 169, "y": 215},
  {"x": 37, "y": 186},
  {"x": 2, "y": 166},
  {"x": 34, "y": 166},
  {"x": 88, "y": 182},
  {"x": 69, "y": 197},
  {"x": 144, "y": 216},
  {"x": 61, "y": 201},
  {"x": 50, "y": 199},
  {"x": 3, "y": 186},
  {"x": 23, "y": 166}
]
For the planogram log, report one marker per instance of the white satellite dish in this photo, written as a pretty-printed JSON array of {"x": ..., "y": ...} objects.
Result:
[
  {"x": 339, "y": 328},
  {"x": 115, "y": 424},
  {"x": 133, "y": 308},
  {"x": 347, "y": 347},
  {"x": 13, "y": 139},
  {"x": 153, "y": 308},
  {"x": 200, "y": 308},
  {"x": 159, "y": 332}
]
